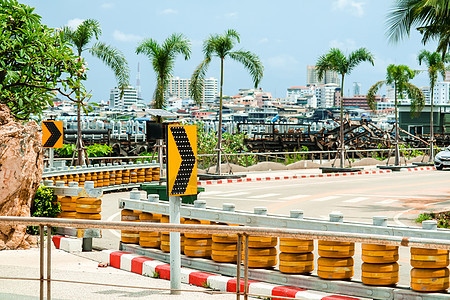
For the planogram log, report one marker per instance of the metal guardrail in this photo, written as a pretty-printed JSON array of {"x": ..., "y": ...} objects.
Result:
[
  {"x": 334, "y": 229},
  {"x": 296, "y": 220},
  {"x": 211, "y": 229}
]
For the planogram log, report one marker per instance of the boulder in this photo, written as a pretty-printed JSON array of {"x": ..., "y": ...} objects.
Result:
[{"x": 21, "y": 166}]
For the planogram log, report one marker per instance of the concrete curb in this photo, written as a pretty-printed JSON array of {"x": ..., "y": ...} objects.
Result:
[
  {"x": 67, "y": 244},
  {"x": 224, "y": 181},
  {"x": 153, "y": 268}
]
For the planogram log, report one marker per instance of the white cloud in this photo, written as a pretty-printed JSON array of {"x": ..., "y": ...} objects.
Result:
[
  {"x": 233, "y": 15},
  {"x": 351, "y": 6},
  {"x": 263, "y": 40},
  {"x": 107, "y": 5},
  {"x": 124, "y": 37},
  {"x": 282, "y": 61},
  {"x": 169, "y": 11},
  {"x": 347, "y": 45},
  {"x": 74, "y": 23}
]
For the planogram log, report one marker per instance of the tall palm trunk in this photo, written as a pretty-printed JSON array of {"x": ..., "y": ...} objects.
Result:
[
  {"x": 341, "y": 129},
  {"x": 79, "y": 145},
  {"x": 432, "y": 127},
  {"x": 219, "y": 138},
  {"x": 397, "y": 149}
]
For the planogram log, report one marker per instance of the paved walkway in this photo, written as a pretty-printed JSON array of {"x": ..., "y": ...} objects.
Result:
[{"x": 83, "y": 267}]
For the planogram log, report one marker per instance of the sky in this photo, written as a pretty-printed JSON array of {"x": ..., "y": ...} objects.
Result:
[{"x": 287, "y": 35}]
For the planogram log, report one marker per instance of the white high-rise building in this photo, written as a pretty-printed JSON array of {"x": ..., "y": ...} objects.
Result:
[
  {"x": 313, "y": 79},
  {"x": 427, "y": 93},
  {"x": 441, "y": 92},
  {"x": 129, "y": 98},
  {"x": 325, "y": 94},
  {"x": 179, "y": 88}
]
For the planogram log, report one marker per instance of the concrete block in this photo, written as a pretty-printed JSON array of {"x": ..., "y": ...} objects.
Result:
[
  {"x": 105, "y": 255},
  {"x": 71, "y": 244},
  {"x": 148, "y": 268},
  {"x": 218, "y": 282},
  {"x": 125, "y": 261},
  {"x": 261, "y": 289}
]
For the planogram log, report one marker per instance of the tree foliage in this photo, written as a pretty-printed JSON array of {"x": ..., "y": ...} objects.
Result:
[
  {"x": 162, "y": 58},
  {"x": 44, "y": 205},
  {"x": 35, "y": 62},
  {"x": 430, "y": 17},
  {"x": 399, "y": 76}
]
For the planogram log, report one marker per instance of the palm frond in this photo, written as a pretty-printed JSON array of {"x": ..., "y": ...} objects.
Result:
[
  {"x": 251, "y": 62},
  {"x": 417, "y": 99},
  {"x": 371, "y": 101},
  {"x": 148, "y": 47},
  {"x": 177, "y": 43},
  {"x": 323, "y": 64},
  {"x": 115, "y": 60},
  {"x": 197, "y": 80},
  {"x": 357, "y": 57}
]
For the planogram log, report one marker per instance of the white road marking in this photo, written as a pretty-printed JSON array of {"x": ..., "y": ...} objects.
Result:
[
  {"x": 263, "y": 196},
  {"x": 397, "y": 216},
  {"x": 233, "y": 194},
  {"x": 387, "y": 201},
  {"x": 384, "y": 196},
  {"x": 210, "y": 193},
  {"x": 114, "y": 232},
  {"x": 325, "y": 198},
  {"x": 356, "y": 200},
  {"x": 294, "y": 197}
]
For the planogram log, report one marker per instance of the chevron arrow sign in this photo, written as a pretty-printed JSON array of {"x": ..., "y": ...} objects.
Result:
[
  {"x": 182, "y": 160},
  {"x": 52, "y": 134}
]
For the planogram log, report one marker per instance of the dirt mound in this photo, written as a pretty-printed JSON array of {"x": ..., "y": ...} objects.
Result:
[{"x": 266, "y": 166}]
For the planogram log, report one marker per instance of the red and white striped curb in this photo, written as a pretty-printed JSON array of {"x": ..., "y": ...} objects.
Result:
[
  {"x": 420, "y": 169},
  {"x": 153, "y": 268},
  {"x": 222, "y": 181},
  {"x": 67, "y": 244}
]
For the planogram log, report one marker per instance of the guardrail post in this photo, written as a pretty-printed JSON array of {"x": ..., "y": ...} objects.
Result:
[{"x": 175, "y": 246}]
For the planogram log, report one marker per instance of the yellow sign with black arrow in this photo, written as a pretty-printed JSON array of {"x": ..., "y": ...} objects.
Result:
[
  {"x": 52, "y": 134},
  {"x": 181, "y": 160}
]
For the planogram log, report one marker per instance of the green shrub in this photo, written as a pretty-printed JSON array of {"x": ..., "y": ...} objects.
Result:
[
  {"x": 98, "y": 150},
  {"x": 145, "y": 153},
  {"x": 43, "y": 205}
]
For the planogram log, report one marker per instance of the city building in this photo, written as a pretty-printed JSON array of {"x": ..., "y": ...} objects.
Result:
[
  {"x": 356, "y": 88},
  {"x": 360, "y": 101},
  {"x": 427, "y": 93},
  {"x": 441, "y": 92},
  {"x": 325, "y": 94},
  {"x": 313, "y": 79},
  {"x": 179, "y": 88},
  {"x": 128, "y": 99}
]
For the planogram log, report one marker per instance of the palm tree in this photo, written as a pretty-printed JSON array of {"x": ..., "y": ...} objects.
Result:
[
  {"x": 113, "y": 58},
  {"x": 162, "y": 58},
  {"x": 221, "y": 46},
  {"x": 435, "y": 65},
  {"x": 399, "y": 75},
  {"x": 430, "y": 17},
  {"x": 336, "y": 61}
]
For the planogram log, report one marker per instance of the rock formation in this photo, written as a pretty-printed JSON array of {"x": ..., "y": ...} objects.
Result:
[{"x": 21, "y": 166}]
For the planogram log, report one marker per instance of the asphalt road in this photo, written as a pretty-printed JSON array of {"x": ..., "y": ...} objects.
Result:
[{"x": 400, "y": 195}]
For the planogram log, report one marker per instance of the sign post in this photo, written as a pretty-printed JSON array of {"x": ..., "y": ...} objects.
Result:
[
  {"x": 52, "y": 137},
  {"x": 181, "y": 180}
]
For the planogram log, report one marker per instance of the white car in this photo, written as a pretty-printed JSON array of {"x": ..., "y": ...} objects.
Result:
[{"x": 442, "y": 159}]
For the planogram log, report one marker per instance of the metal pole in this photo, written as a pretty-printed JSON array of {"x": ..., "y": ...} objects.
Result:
[
  {"x": 238, "y": 266},
  {"x": 246, "y": 268},
  {"x": 41, "y": 262},
  {"x": 51, "y": 157},
  {"x": 175, "y": 246},
  {"x": 49, "y": 261}
]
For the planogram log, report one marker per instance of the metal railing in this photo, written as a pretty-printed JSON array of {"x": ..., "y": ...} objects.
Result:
[
  {"x": 211, "y": 229},
  {"x": 240, "y": 231}
]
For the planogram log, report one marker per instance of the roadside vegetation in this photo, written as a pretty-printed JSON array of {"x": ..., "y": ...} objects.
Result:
[{"x": 443, "y": 218}]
